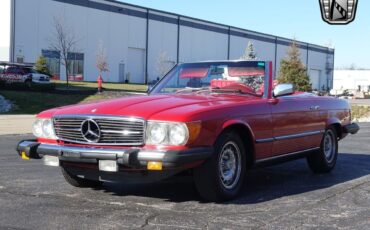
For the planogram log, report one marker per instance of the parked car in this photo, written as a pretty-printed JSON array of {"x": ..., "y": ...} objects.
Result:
[
  {"x": 22, "y": 73},
  {"x": 213, "y": 119},
  {"x": 341, "y": 93}
]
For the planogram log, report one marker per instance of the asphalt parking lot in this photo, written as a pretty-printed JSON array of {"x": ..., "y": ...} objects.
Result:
[{"x": 288, "y": 196}]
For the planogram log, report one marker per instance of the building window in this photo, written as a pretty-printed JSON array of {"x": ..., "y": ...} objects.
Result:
[
  {"x": 20, "y": 59},
  {"x": 52, "y": 62},
  {"x": 76, "y": 67}
]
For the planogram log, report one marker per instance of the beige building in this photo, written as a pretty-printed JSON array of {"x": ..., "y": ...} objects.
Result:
[{"x": 352, "y": 80}]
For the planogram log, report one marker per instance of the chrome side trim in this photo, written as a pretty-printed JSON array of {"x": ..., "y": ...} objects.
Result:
[
  {"x": 306, "y": 134},
  {"x": 286, "y": 155},
  {"x": 266, "y": 140},
  {"x": 287, "y": 137}
]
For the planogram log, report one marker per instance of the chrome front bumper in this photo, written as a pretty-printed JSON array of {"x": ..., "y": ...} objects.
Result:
[{"x": 124, "y": 157}]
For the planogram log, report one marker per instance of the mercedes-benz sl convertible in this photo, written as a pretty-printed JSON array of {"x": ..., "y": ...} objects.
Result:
[{"x": 214, "y": 120}]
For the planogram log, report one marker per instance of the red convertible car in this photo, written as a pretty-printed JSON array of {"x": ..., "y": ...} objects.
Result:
[{"x": 215, "y": 120}]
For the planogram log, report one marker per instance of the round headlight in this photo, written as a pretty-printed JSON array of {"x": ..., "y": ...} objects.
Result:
[
  {"x": 37, "y": 128},
  {"x": 178, "y": 134},
  {"x": 156, "y": 133},
  {"x": 47, "y": 128}
]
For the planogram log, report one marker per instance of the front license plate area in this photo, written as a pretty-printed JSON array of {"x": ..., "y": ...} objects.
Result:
[{"x": 70, "y": 154}]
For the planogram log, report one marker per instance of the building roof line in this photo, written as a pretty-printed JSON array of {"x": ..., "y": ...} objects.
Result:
[
  {"x": 217, "y": 23},
  {"x": 144, "y": 12}
]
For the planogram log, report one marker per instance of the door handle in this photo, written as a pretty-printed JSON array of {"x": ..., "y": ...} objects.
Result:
[{"x": 315, "y": 107}]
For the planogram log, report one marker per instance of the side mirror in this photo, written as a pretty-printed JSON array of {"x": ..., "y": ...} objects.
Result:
[{"x": 283, "y": 90}]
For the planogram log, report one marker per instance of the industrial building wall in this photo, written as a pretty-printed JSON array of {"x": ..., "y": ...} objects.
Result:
[
  {"x": 199, "y": 44},
  {"x": 121, "y": 36},
  {"x": 320, "y": 68},
  {"x": 162, "y": 43},
  {"x": 136, "y": 39}
]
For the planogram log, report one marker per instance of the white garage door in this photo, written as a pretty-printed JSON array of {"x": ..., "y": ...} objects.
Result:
[
  {"x": 136, "y": 65},
  {"x": 315, "y": 79}
]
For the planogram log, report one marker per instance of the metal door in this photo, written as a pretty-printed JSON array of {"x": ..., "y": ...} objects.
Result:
[
  {"x": 121, "y": 72},
  {"x": 315, "y": 79},
  {"x": 136, "y": 65}
]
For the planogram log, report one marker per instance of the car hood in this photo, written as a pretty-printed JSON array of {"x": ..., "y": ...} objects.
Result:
[{"x": 147, "y": 107}]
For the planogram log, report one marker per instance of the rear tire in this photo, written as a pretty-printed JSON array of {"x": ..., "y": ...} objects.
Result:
[
  {"x": 324, "y": 160},
  {"x": 221, "y": 177},
  {"x": 79, "y": 182}
]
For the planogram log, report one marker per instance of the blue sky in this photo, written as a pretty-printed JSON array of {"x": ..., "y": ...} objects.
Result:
[{"x": 287, "y": 18}]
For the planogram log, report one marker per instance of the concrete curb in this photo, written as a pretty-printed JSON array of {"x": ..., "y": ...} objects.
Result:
[{"x": 16, "y": 124}]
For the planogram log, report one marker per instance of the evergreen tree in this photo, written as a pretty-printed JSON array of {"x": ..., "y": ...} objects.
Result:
[
  {"x": 41, "y": 65},
  {"x": 249, "y": 53},
  {"x": 292, "y": 70}
]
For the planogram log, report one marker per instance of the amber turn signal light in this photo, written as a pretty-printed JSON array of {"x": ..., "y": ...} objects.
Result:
[
  {"x": 154, "y": 165},
  {"x": 24, "y": 156},
  {"x": 194, "y": 130}
]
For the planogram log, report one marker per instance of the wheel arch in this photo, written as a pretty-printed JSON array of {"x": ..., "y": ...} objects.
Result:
[
  {"x": 336, "y": 124},
  {"x": 245, "y": 132}
]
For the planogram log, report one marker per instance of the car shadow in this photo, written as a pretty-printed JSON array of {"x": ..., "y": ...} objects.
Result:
[{"x": 262, "y": 184}]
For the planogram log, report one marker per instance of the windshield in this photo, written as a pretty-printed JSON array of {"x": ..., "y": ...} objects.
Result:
[{"x": 243, "y": 77}]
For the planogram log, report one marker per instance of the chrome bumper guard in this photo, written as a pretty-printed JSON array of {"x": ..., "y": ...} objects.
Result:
[{"x": 351, "y": 128}]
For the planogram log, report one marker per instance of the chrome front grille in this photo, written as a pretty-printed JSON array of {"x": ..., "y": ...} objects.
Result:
[{"x": 112, "y": 130}]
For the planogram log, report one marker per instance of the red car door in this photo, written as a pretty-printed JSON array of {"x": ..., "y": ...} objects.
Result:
[{"x": 297, "y": 124}]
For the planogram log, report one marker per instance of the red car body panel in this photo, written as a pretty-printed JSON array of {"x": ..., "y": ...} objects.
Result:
[
  {"x": 217, "y": 131},
  {"x": 264, "y": 118},
  {"x": 212, "y": 119}
]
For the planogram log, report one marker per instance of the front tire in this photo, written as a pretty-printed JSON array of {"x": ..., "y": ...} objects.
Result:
[
  {"x": 221, "y": 177},
  {"x": 79, "y": 182},
  {"x": 324, "y": 160}
]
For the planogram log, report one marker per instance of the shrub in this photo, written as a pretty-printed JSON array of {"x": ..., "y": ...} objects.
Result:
[{"x": 41, "y": 66}]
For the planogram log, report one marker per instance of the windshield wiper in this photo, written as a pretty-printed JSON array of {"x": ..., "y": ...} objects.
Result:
[
  {"x": 215, "y": 90},
  {"x": 192, "y": 90},
  {"x": 228, "y": 90}
]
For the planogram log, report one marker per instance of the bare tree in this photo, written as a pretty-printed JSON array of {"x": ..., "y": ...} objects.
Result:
[
  {"x": 64, "y": 42},
  {"x": 101, "y": 59},
  {"x": 163, "y": 64}
]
